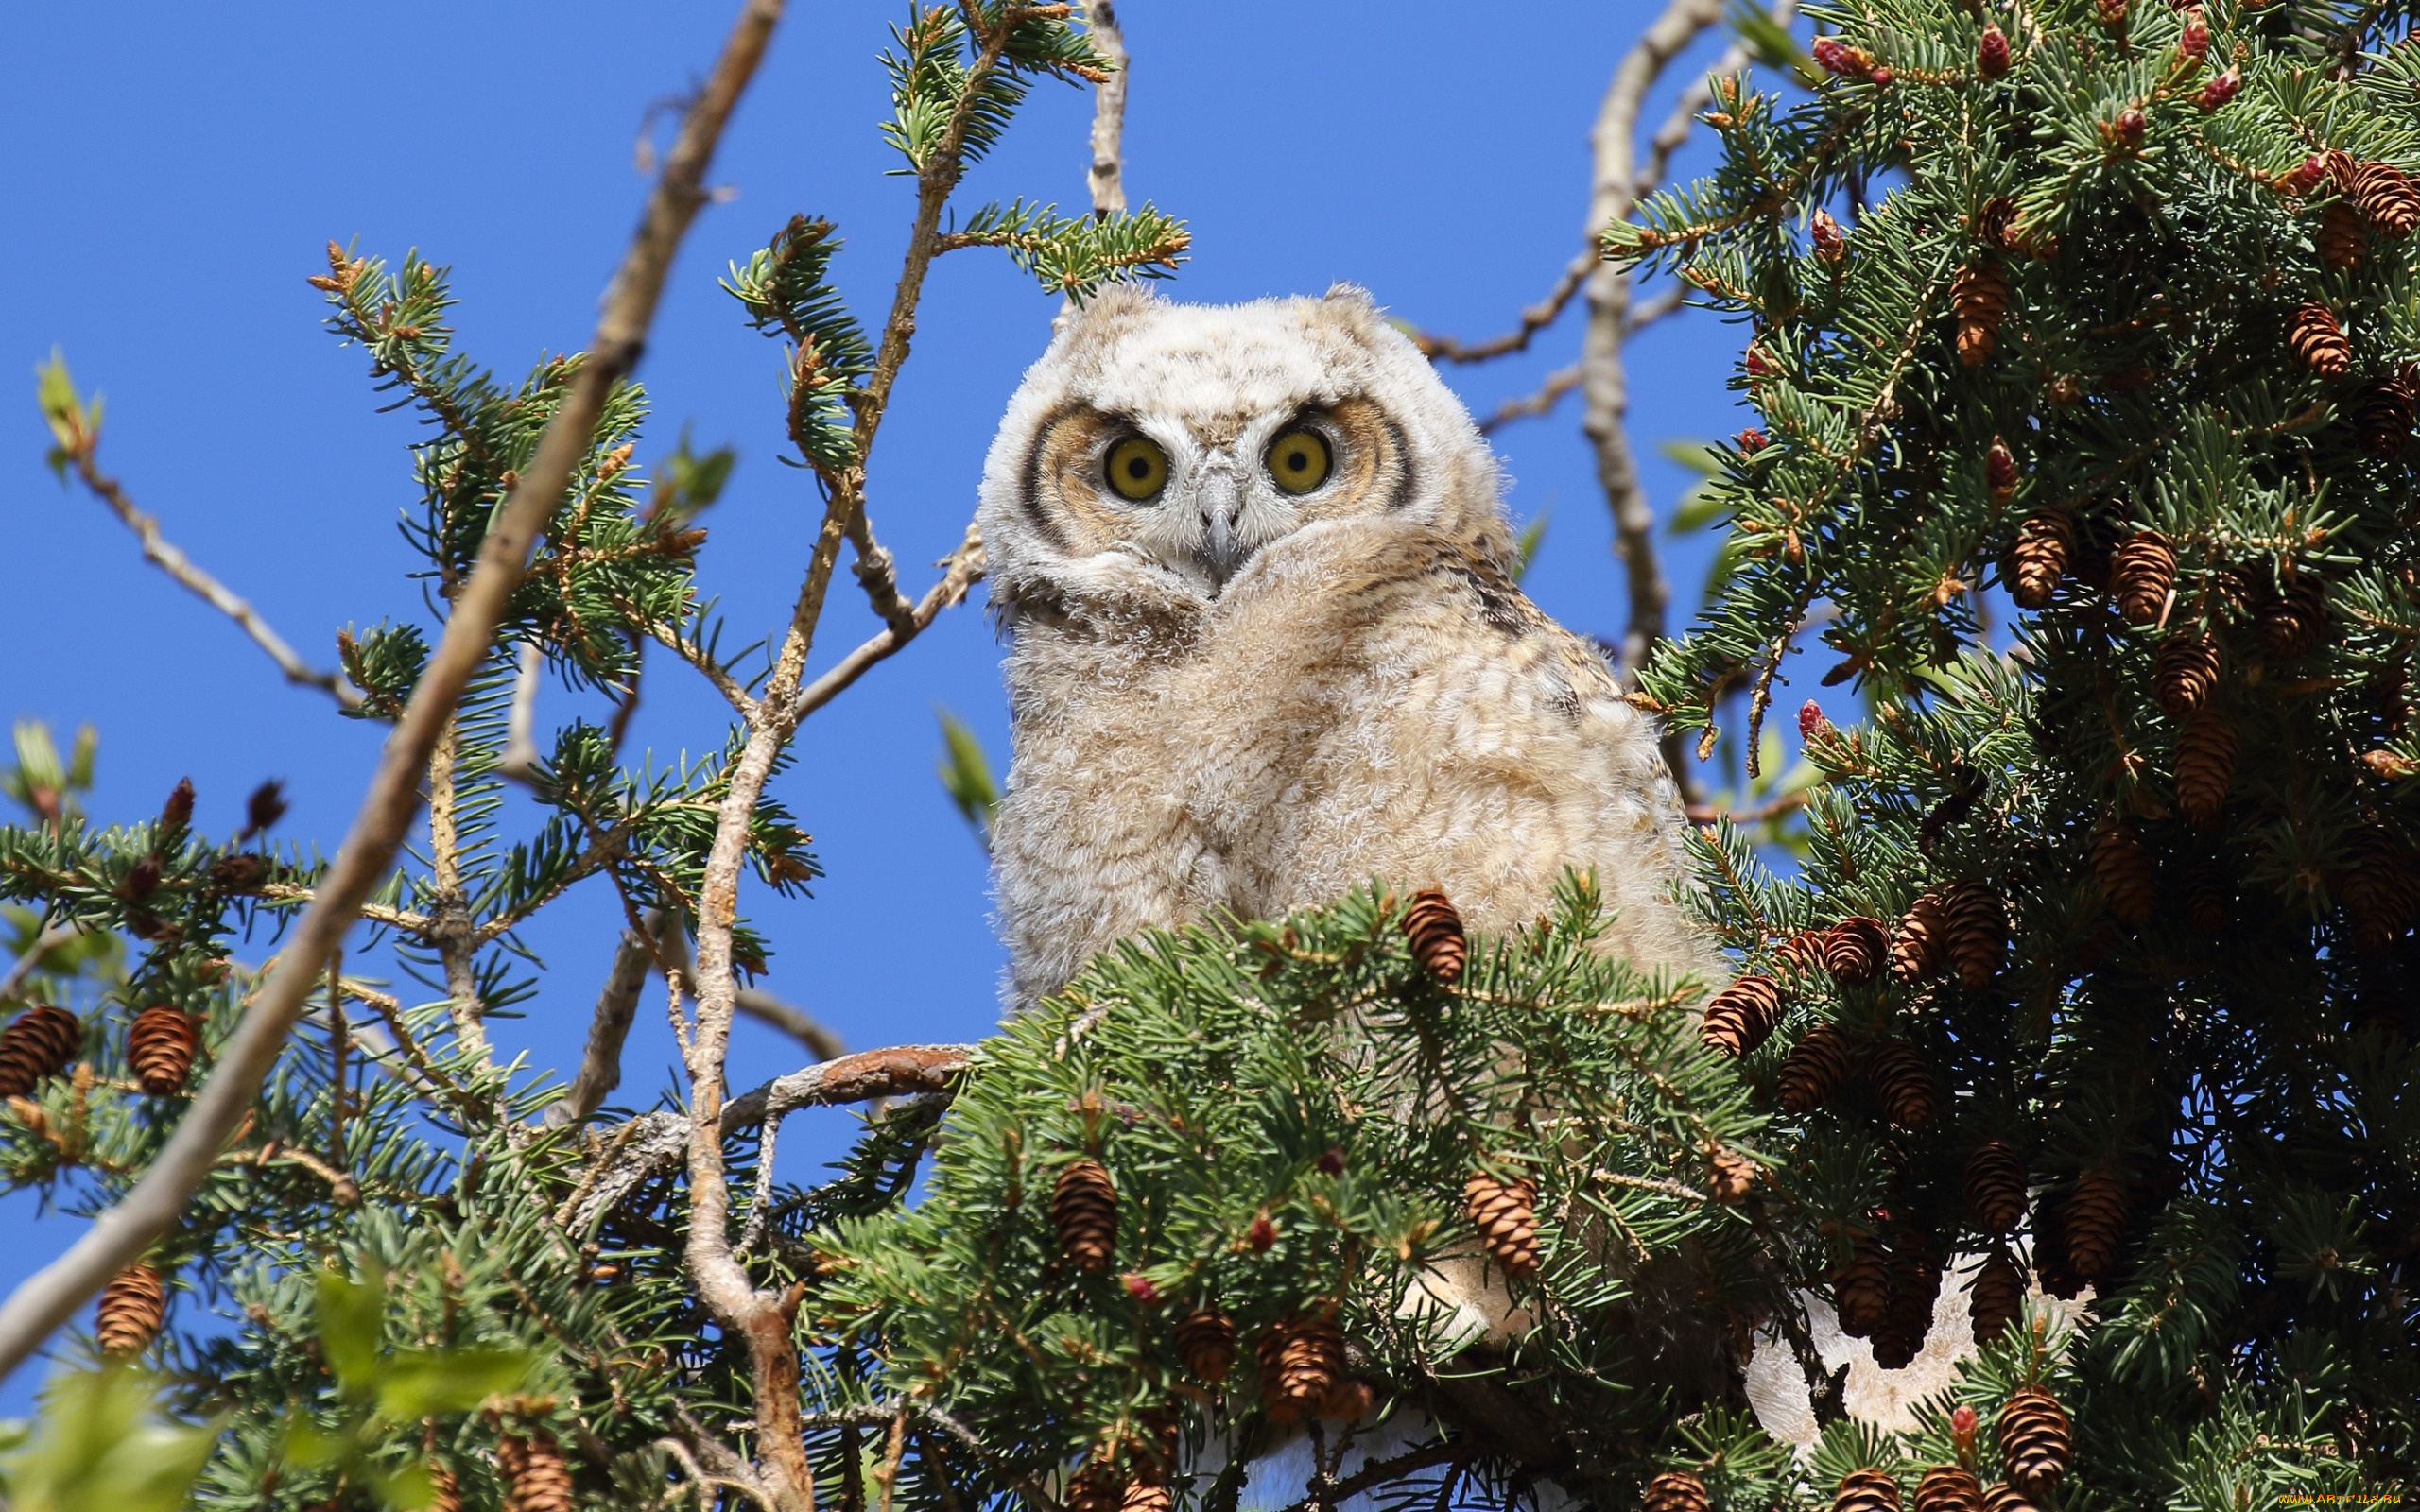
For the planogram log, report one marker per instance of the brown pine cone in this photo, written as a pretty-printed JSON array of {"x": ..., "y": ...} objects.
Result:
[
  {"x": 1901, "y": 1079},
  {"x": 1866, "y": 1491},
  {"x": 159, "y": 1047},
  {"x": 1146, "y": 1496},
  {"x": 1855, "y": 949},
  {"x": 2142, "y": 571},
  {"x": 1915, "y": 1282},
  {"x": 2291, "y": 620},
  {"x": 2039, "y": 558},
  {"x": 2206, "y": 756},
  {"x": 36, "y": 1046},
  {"x": 1980, "y": 295},
  {"x": 2185, "y": 673},
  {"x": 1676, "y": 1491},
  {"x": 1948, "y": 1488},
  {"x": 1348, "y": 1402},
  {"x": 1506, "y": 1215},
  {"x": 1974, "y": 934},
  {"x": 1730, "y": 1176},
  {"x": 2095, "y": 1214},
  {"x": 2383, "y": 413},
  {"x": 1814, "y": 1068},
  {"x": 2341, "y": 237},
  {"x": 2002, "y": 1496},
  {"x": 2387, "y": 198},
  {"x": 2379, "y": 889},
  {"x": 2033, "y": 1441},
  {"x": 1916, "y": 945},
  {"x": 1435, "y": 930},
  {"x": 1096, "y": 1488},
  {"x": 2318, "y": 341},
  {"x": 1205, "y": 1341},
  {"x": 1302, "y": 1361},
  {"x": 1083, "y": 1208},
  {"x": 536, "y": 1479},
  {"x": 1994, "y": 1187},
  {"x": 1801, "y": 951},
  {"x": 1741, "y": 1015},
  {"x": 132, "y": 1307},
  {"x": 2209, "y": 898},
  {"x": 1861, "y": 1291},
  {"x": 2122, "y": 864},
  {"x": 1995, "y": 1297},
  {"x": 444, "y": 1488}
]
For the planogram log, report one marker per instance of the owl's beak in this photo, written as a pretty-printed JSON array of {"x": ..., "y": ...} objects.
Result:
[{"x": 1220, "y": 501}]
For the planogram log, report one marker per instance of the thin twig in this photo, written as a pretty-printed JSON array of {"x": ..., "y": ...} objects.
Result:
[
  {"x": 52, "y": 937},
  {"x": 1534, "y": 319},
  {"x": 162, "y": 552},
  {"x": 617, "y": 1003},
  {"x": 51, "y": 1295},
  {"x": 962, "y": 569},
  {"x": 754, "y": 1001},
  {"x": 1529, "y": 406},
  {"x": 1603, "y": 382}
]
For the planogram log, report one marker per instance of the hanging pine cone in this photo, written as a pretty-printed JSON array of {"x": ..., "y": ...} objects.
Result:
[
  {"x": 1948, "y": 1488},
  {"x": 1435, "y": 931},
  {"x": 1980, "y": 295},
  {"x": 2122, "y": 865},
  {"x": 2387, "y": 198},
  {"x": 1096, "y": 1488},
  {"x": 1995, "y": 1297},
  {"x": 444, "y": 1488},
  {"x": 1146, "y": 1496},
  {"x": 2095, "y": 1217},
  {"x": 1676, "y": 1491},
  {"x": 1916, "y": 944},
  {"x": 1302, "y": 1360},
  {"x": 1801, "y": 951},
  {"x": 1083, "y": 1208},
  {"x": 1741, "y": 1015},
  {"x": 2379, "y": 889},
  {"x": 2050, "y": 1265},
  {"x": 2342, "y": 237},
  {"x": 2382, "y": 413},
  {"x": 1994, "y": 1187},
  {"x": 2141, "y": 573},
  {"x": 132, "y": 1307},
  {"x": 36, "y": 1046},
  {"x": 1730, "y": 1176},
  {"x": 2185, "y": 673},
  {"x": 2206, "y": 768},
  {"x": 1904, "y": 1082},
  {"x": 1506, "y": 1215},
  {"x": 536, "y": 1479},
  {"x": 1866, "y": 1491},
  {"x": 2002, "y": 1496},
  {"x": 1814, "y": 1068},
  {"x": 2033, "y": 1441},
  {"x": 2290, "y": 619},
  {"x": 2039, "y": 558},
  {"x": 1974, "y": 934},
  {"x": 2209, "y": 898},
  {"x": 159, "y": 1047},
  {"x": 1908, "y": 1316},
  {"x": 2318, "y": 342},
  {"x": 1861, "y": 1291},
  {"x": 1205, "y": 1341},
  {"x": 1855, "y": 949}
]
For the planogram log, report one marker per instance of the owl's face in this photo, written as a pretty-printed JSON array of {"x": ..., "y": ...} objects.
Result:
[{"x": 1174, "y": 444}]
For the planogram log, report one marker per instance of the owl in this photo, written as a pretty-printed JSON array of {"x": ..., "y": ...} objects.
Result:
[{"x": 1266, "y": 644}]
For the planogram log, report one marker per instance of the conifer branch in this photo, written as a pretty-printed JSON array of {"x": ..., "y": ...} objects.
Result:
[
  {"x": 48, "y": 1299},
  {"x": 78, "y": 430}
]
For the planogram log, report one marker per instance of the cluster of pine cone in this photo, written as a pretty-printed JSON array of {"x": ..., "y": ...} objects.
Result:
[{"x": 2035, "y": 1446}]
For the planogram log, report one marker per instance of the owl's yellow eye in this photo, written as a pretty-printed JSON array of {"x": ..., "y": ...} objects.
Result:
[
  {"x": 1298, "y": 459},
  {"x": 1137, "y": 468}
]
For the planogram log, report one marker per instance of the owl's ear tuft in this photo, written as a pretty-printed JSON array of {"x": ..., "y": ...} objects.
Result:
[{"x": 1353, "y": 296}]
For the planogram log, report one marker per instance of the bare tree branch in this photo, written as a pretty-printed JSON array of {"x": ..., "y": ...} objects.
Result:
[
  {"x": 754, "y": 1001},
  {"x": 1530, "y": 406},
  {"x": 1107, "y": 177},
  {"x": 617, "y": 1003},
  {"x": 961, "y": 570},
  {"x": 1534, "y": 319},
  {"x": 1603, "y": 383},
  {"x": 163, "y": 554},
  {"x": 51, "y": 937},
  {"x": 48, "y": 1299}
]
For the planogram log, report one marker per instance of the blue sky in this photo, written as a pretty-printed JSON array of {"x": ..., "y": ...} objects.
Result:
[{"x": 176, "y": 169}]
